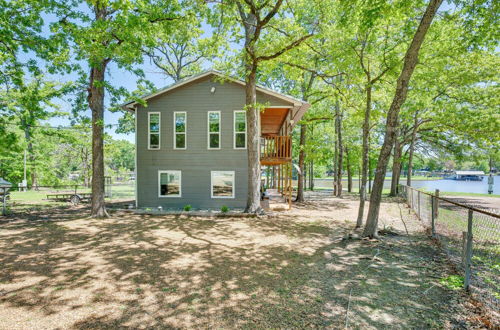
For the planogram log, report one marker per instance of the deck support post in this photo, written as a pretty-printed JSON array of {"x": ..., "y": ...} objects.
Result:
[{"x": 290, "y": 189}]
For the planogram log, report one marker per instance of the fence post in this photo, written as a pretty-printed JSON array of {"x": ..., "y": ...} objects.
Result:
[
  {"x": 468, "y": 252},
  {"x": 433, "y": 216},
  {"x": 437, "y": 203}
]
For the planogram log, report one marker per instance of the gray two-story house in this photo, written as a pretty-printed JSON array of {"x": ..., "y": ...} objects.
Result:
[{"x": 191, "y": 142}]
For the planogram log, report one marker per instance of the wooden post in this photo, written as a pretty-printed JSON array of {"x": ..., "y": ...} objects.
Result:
[
  {"x": 279, "y": 179},
  {"x": 468, "y": 252},
  {"x": 290, "y": 188},
  {"x": 433, "y": 216},
  {"x": 464, "y": 247},
  {"x": 437, "y": 203},
  {"x": 283, "y": 179}
]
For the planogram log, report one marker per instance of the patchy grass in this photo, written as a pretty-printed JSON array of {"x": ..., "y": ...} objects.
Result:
[
  {"x": 453, "y": 282},
  {"x": 291, "y": 270}
]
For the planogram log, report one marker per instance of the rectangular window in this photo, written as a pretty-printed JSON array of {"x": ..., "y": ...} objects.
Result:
[
  {"x": 222, "y": 184},
  {"x": 240, "y": 130},
  {"x": 214, "y": 130},
  {"x": 154, "y": 130},
  {"x": 169, "y": 183},
  {"x": 180, "y": 122}
]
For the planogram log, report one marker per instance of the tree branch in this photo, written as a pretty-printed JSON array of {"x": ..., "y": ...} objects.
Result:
[{"x": 283, "y": 50}]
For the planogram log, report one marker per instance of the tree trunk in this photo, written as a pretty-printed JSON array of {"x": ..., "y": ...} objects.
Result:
[
  {"x": 370, "y": 174},
  {"x": 412, "y": 149},
  {"x": 364, "y": 156},
  {"x": 96, "y": 104},
  {"x": 340, "y": 149},
  {"x": 311, "y": 175},
  {"x": 410, "y": 61},
  {"x": 335, "y": 162},
  {"x": 32, "y": 158},
  {"x": 302, "y": 155},
  {"x": 306, "y": 175},
  {"x": 253, "y": 198},
  {"x": 349, "y": 170},
  {"x": 396, "y": 165}
]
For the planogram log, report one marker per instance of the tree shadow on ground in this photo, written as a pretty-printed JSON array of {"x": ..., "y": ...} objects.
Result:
[{"x": 176, "y": 271}]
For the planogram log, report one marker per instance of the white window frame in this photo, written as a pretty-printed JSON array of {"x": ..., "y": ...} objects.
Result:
[
  {"x": 209, "y": 133},
  {"x": 160, "y": 172},
  {"x": 185, "y": 130},
  {"x": 149, "y": 130},
  {"x": 234, "y": 129},
  {"x": 212, "y": 185}
]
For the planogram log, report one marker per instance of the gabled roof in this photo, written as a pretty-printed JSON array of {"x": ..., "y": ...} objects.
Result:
[
  {"x": 296, "y": 102},
  {"x": 4, "y": 183}
]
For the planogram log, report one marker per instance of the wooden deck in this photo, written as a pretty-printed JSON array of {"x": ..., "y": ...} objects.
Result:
[
  {"x": 276, "y": 150},
  {"x": 276, "y": 155}
]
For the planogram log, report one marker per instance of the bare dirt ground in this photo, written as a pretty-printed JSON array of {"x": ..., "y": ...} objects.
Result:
[{"x": 60, "y": 269}]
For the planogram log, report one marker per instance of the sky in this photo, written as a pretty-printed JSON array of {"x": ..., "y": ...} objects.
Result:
[
  {"x": 120, "y": 77},
  {"x": 116, "y": 76}
]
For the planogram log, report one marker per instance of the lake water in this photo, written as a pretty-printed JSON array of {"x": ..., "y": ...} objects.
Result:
[{"x": 477, "y": 187}]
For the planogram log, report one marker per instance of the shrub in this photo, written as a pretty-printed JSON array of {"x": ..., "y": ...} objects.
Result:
[
  {"x": 187, "y": 207},
  {"x": 224, "y": 208}
]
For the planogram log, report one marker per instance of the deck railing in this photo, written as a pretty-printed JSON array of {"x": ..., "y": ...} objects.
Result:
[{"x": 276, "y": 147}]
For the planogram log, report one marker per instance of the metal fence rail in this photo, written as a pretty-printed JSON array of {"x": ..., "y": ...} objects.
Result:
[{"x": 469, "y": 235}]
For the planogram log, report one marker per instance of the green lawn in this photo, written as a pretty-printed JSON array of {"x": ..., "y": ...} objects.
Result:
[{"x": 126, "y": 191}]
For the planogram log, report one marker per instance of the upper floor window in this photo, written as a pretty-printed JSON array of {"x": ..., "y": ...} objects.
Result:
[
  {"x": 180, "y": 121},
  {"x": 240, "y": 129},
  {"x": 214, "y": 130},
  {"x": 154, "y": 130}
]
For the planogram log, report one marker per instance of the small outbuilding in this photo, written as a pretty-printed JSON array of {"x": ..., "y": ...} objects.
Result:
[
  {"x": 4, "y": 188},
  {"x": 469, "y": 175}
]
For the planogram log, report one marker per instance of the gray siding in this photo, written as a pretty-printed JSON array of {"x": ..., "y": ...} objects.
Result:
[{"x": 196, "y": 162}]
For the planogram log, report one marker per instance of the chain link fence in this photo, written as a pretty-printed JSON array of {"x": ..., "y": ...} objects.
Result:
[{"x": 469, "y": 235}]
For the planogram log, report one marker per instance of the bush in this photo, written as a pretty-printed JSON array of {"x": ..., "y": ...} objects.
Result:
[
  {"x": 187, "y": 207},
  {"x": 224, "y": 208}
]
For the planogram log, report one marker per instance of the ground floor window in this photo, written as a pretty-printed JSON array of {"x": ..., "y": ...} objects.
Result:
[
  {"x": 169, "y": 183},
  {"x": 222, "y": 184}
]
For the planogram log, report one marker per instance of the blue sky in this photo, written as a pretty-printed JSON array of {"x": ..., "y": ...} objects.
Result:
[
  {"x": 117, "y": 77},
  {"x": 120, "y": 77}
]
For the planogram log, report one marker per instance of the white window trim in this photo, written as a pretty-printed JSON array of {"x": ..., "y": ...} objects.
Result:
[
  {"x": 208, "y": 130},
  {"x": 185, "y": 130},
  {"x": 159, "y": 183},
  {"x": 149, "y": 130},
  {"x": 234, "y": 130},
  {"x": 212, "y": 185}
]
